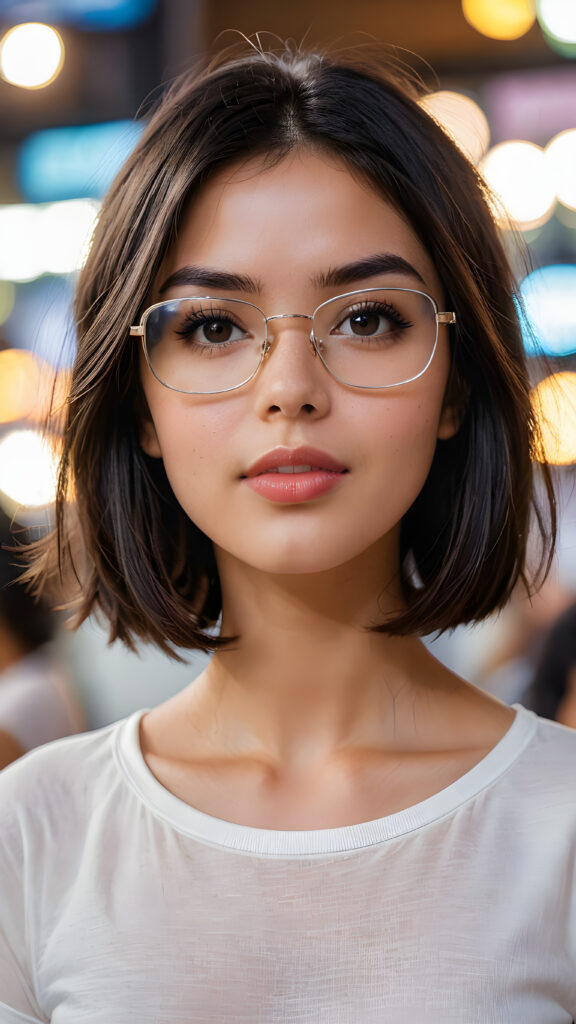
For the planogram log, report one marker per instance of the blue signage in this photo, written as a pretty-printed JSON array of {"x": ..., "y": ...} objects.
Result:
[{"x": 74, "y": 162}]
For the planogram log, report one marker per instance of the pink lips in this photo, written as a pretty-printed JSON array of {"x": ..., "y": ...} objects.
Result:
[{"x": 324, "y": 473}]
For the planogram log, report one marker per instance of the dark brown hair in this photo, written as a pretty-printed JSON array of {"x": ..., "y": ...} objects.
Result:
[{"x": 147, "y": 567}]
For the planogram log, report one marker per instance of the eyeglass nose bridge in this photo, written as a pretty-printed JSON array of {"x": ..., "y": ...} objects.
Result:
[{"x": 289, "y": 316}]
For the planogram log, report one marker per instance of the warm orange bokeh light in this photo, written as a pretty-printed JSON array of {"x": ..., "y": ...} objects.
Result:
[
  {"x": 500, "y": 19},
  {"x": 554, "y": 401},
  {"x": 30, "y": 389},
  {"x": 19, "y": 384}
]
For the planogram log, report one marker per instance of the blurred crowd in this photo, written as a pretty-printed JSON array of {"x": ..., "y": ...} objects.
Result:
[{"x": 38, "y": 701}]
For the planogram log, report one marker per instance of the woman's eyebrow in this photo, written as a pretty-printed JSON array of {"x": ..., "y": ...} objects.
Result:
[
  {"x": 370, "y": 266},
  {"x": 360, "y": 270},
  {"x": 208, "y": 277}
]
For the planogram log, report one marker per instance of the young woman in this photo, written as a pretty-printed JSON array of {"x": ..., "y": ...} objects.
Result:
[{"x": 299, "y": 435}]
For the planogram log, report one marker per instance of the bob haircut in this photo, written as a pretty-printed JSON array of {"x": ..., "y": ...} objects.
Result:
[{"x": 145, "y": 565}]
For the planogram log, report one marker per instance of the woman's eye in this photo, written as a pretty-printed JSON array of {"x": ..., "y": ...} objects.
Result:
[
  {"x": 213, "y": 330},
  {"x": 366, "y": 324},
  {"x": 369, "y": 323},
  {"x": 217, "y": 331}
]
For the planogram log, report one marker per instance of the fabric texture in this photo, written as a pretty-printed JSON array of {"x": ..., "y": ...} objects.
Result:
[{"x": 120, "y": 903}]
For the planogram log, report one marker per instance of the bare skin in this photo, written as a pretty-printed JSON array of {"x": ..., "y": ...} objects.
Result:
[{"x": 309, "y": 721}]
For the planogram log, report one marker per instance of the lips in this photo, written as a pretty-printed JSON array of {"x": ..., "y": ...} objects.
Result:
[{"x": 294, "y": 460}]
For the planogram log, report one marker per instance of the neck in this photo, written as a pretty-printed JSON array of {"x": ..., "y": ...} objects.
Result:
[{"x": 307, "y": 680}]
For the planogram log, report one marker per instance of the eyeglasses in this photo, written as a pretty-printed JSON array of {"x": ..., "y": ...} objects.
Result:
[{"x": 375, "y": 338}]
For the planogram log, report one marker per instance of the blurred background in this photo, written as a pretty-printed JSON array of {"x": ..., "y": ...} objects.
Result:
[{"x": 74, "y": 74}]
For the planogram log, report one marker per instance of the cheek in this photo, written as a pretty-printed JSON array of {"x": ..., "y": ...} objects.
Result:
[
  {"x": 194, "y": 443},
  {"x": 401, "y": 449},
  {"x": 404, "y": 428}
]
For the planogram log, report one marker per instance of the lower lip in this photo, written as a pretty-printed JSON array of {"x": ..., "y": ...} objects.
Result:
[{"x": 291, "y": 488}]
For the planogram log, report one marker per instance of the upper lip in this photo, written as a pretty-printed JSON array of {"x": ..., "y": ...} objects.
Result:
[{"x": 295, "y": 457}]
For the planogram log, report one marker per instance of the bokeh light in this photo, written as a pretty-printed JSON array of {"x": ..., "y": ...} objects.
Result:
[
  {"x": 31, "y": 55},
  {"x": 561, "y": 158},
  {"x": 30, "y": 388},
  {"x": 66, "y": 231},
  {"x": 554, "y": 402},
  {"x": 462, "y": 119},
  {"x": 20, "y": 256},
  {"x": 52, "y": 239},
  {"x": 74, "y": 161},
  {"x": 28, "y": 468},
  {"x": 558, "y": 19},
  {"x": 500, "y": 19},
  {"x": 19, "y": 384},
  {"x": 519, "y": 176},
  {"x": 548, "y": 296}
]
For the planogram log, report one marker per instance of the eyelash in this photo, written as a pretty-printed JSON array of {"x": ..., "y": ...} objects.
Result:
[
  {"x": 385, "y": 309},
  {"x": 194, "y": 321}
]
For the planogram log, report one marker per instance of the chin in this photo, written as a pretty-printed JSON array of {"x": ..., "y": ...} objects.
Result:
[{"x": 300, "y": 559}]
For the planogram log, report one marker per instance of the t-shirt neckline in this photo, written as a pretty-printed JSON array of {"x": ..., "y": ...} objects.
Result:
[{"x": 312, "y": 842}]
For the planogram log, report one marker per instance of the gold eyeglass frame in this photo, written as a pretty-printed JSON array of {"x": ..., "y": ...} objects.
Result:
[{"x": 139, "y": 330}]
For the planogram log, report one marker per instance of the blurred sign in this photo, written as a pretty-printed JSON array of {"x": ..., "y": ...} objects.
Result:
[
  {"x": 87, "y": 14},
  {"x": 74, "y": 162}
]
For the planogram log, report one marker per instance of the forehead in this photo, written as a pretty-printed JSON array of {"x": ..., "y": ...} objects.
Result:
[{"x": 285, "y": 223}]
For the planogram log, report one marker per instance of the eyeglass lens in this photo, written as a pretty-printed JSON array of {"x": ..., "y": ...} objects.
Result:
[{"x": 377, "y": 338}]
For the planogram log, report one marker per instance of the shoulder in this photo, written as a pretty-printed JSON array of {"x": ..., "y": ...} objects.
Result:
[
  {"x": 56, "y": 786},
  {"x": 540, "y": 781},
  {"x": 54, "y": 762},
  {"x": 554, "y": 745}
]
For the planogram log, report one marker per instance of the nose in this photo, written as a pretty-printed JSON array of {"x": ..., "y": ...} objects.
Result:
[{"x": 292, "y": 380}]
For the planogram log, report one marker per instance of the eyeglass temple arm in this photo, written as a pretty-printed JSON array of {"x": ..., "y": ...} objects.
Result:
[
  {"x": 443, "y": 318},
  {"x": 137, "y": 331}
]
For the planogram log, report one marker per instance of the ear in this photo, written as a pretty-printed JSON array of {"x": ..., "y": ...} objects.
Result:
[
  {"x": 454, "y": 406},
  {"x": 450, "y": 421},
  {"x": 149, "y": 438},
  {"x": 147, "y": 435}
]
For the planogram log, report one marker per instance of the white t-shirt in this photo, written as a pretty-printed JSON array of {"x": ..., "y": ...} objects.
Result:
[{"x": 121, "y": 904}]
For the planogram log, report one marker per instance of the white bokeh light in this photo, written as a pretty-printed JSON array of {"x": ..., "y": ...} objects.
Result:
[
  {"x": 31, "y": 55},
  {"x": 21, "y": 258},
  {"x": 66, "y": 229},
  {"x": 462, "y": 119},
  {"x": 28, "y": 468},
  {"x": 51, "y": 239},
  {"x": 561, "y": 158},
  {"x": 558, "y": 17},
  {"x": 519, "y": 176}
]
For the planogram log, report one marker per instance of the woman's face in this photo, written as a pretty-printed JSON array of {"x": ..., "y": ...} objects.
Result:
[{"x": 285, "y": 228}]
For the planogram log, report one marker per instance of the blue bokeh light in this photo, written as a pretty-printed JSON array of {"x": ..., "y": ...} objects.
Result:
[
  {"x": 549, "y": 297},
  {"x": 74, "y": 162},
  {"x": 106, "y": 15}
]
